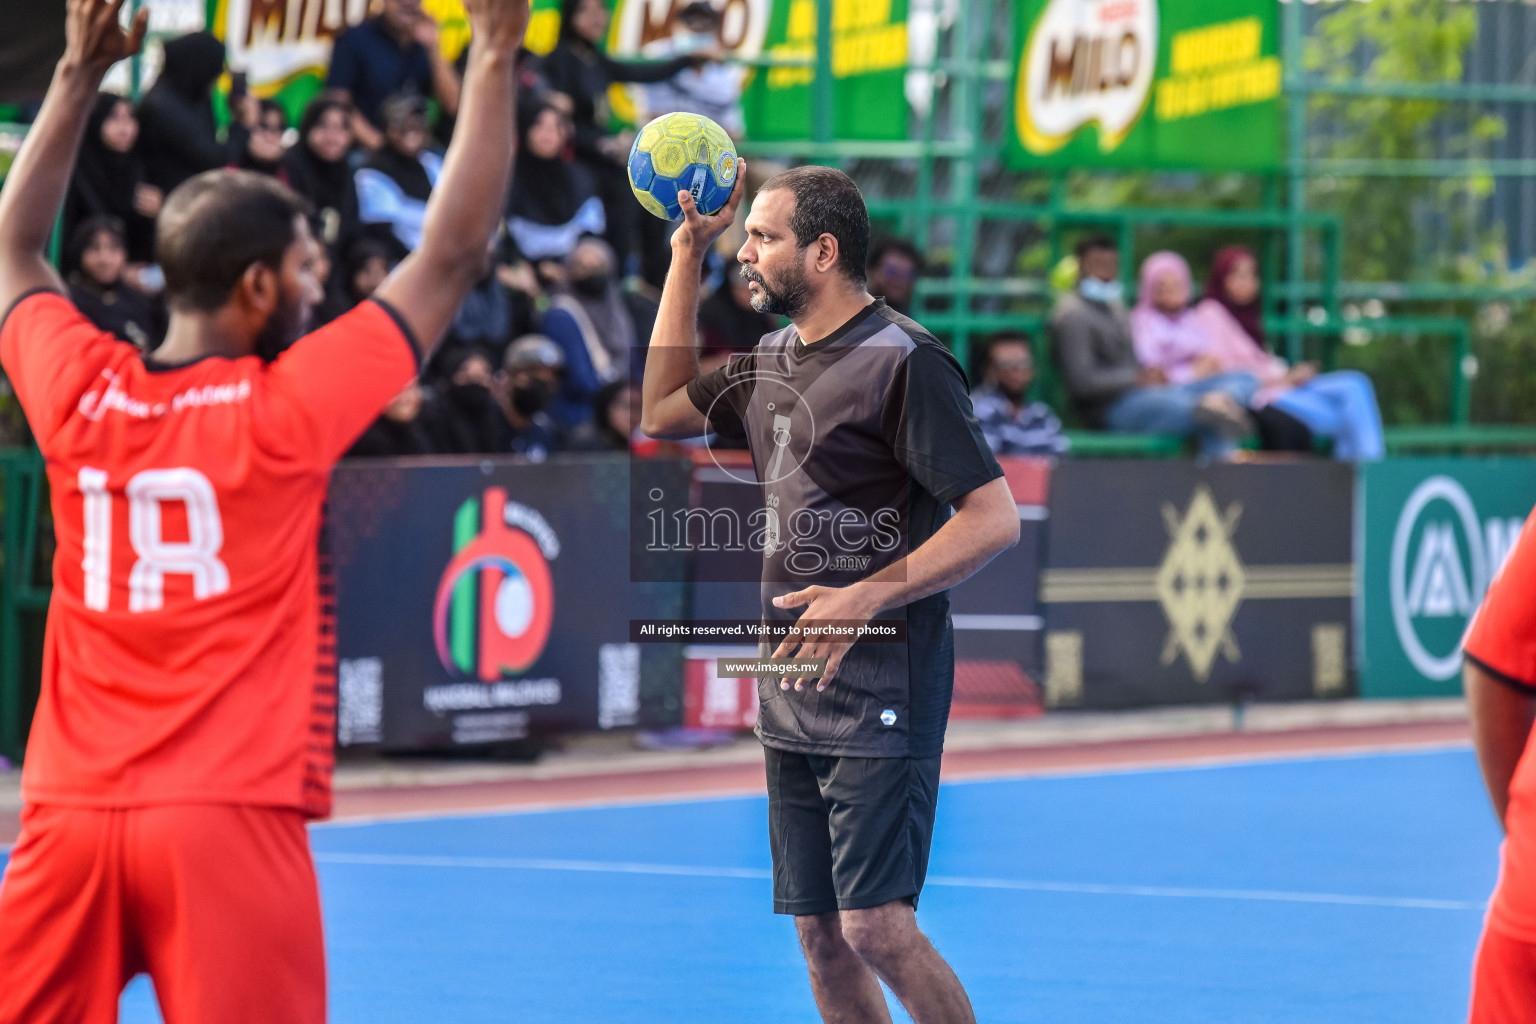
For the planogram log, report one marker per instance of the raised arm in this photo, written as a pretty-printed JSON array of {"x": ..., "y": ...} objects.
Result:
[
  {"x": 673, "y": 358},
  {"x": 467, "y": 204},
  {"x": 40, "y": 176}
]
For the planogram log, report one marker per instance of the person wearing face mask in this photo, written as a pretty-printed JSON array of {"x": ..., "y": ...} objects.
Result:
[
  {"x": 531, "y": 376},
  {"x": 712, "y": 89},
  {"x": 463, "y": 412},
  {"x": 598, "y": 328},
  {"x": 1094, "y": 349},
  {"x": 1011, "y": 423}
]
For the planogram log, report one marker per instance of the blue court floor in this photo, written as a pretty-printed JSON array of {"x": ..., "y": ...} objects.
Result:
[{"x": 1345, "y": 889}]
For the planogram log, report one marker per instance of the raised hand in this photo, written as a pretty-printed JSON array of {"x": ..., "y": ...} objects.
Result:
[
  {"x": 94, "y": 34},
  {"x": 498, "y": 24},
  {"x": 698, "y": 231}
]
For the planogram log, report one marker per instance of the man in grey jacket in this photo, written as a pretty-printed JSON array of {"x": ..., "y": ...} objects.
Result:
[{"x": 1091, "y": 340}]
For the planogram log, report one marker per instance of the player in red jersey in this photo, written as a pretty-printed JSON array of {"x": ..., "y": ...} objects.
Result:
[
  {"x": 184, "y": 731},
  {"x": 1500, "y": 680}
]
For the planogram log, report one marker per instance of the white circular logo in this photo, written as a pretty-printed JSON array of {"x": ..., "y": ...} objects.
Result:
[{"x": 1436, "y": 584}]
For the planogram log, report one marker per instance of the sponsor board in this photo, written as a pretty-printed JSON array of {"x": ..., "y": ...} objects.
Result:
[
  {"x": 476, "y": 602},
  {"x": 1434, "y": 533},
  {"x": 1146, "y": 83},
  {"x": 1166, "y": 582}
]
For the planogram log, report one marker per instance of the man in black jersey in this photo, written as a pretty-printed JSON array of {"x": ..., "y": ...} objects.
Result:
[{"x": 862, "y": 435}]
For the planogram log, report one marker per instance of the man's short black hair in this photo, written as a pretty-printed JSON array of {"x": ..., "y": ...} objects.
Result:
[
  {"x": 827, "y": 202},
  {"x": 891, "y": 244},
  {"x": 214, "y": 227},
  {"x": 1096, "y": 243}
]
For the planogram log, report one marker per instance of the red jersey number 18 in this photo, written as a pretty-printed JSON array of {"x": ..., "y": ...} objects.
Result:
[{"x": 156, "y": 558}]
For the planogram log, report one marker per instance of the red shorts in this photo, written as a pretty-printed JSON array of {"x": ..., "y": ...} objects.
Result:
[
  {"x": 1503, "y": 980},
  {"x": 218, "y": 903}
]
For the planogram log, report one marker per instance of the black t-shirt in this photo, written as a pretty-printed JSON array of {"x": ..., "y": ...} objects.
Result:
[{"x": 861, "y": 442}]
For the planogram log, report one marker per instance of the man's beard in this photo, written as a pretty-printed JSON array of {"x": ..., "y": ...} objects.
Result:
[
  {"x": 787, "y": 297},
  {"x": 284, "y": 327}
]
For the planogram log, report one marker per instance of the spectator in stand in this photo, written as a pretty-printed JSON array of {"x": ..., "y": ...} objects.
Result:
[
  {"x": 1340, "y": 406},
  {"x": 178, "y": 134},
  {"x": 399, "y": 431},
  {"x": 464, "y": 415},
  {"x": 316, "y": 168},
  {"x": 1011, "y": 423},
  {"x": 97, "y": 256},
  {"x": 712, "y": 89},
  {"x": 366, "y": 266},
  {"x": 532, "y": 375},
  {"x": 109, "y": 178},
  {"x": 554, "y": 199},
  {"x": 264, "y": 147},
  {"x": 492, "y": 314},
  {"x": 1234, "y": 283},
  {"x": 579, "y": 69},
  {"x": 394, "y": 184},
  {"x": 333, "y": 289},
  {"x": 598, "y": 327},
  {"x": 1092, "y": 343},
  {"x": 388, "y": 55},
  {"x": 894, "y": 265},
  {"x": 727, "y": 321}
]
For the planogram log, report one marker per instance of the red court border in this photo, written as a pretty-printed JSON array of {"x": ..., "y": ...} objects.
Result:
[{"x": 746, "y": 778}]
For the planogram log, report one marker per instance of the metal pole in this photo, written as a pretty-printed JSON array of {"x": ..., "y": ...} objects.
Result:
[
  {"x": 963, "y": 182},
  {"x": 1296, "y": 158},
  {"x": 136, "y": 62},
  {"x": 823, "y": 97}
]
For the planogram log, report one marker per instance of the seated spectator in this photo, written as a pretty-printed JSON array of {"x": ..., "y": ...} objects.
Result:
[
  {"x": 1340, "y": 405},
  {"x": 264, "y": 147},
  {"x": 554, "y": 200},
  {"x": 727, "y": 321},
  {"x": 333, "y": 289},
  {"x": 1234, "y": 283},
  {"x": 492, "y": 313},
  {"x": 1011, "y": 423},
  {"x": 712, "y": 89},
  {"x": 394, "y": 184},
  {"x": 598, "y": 327},
  {"x": 399, "y": 431},
  {"x": 1091, "y": 340},
  {"x": 97, "y": 256},
  {"x": 464, "y": 415},
  {"x": 532, "y": 373},
  {"x": 316, "y": 168},
  {"x": 579, "y": 69},
  {"x": 178, "y": 134},
  {"x": 366, "y": 266},
  {"x": 894, "y": 264},
  {"x": 110, "y": 179},
  {"x": 391, "y": 54},
  {"x": 615, "y": 420}
]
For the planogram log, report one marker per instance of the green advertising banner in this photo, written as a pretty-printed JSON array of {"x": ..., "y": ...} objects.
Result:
[
  {"x": 869, "y": 60},
  {"x": 1146, "y": 83},
  {"x": 1431, "y": 534}
]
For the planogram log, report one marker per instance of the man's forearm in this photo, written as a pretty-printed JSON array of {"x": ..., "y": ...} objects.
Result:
[
  {"x": 38, "y": 179},
  {"x": 469, "y": 197},
  {"x": 971, "y": 538},
  {"x": 673, "y": 358},
  {"x": 1501, "y": 724}
]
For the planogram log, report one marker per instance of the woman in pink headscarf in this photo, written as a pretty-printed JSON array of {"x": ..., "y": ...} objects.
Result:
[{"x": 1194, "y": 343}]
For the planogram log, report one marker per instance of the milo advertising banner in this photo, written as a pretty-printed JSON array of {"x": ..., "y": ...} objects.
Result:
[
  {"x": 869, "y": 60},
  {"x": 1433, "y": 533},
  {"x": 1160, "y": 83}
]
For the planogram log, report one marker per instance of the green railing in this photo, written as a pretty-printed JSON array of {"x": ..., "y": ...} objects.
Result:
[{"x": 23, "y": 590}]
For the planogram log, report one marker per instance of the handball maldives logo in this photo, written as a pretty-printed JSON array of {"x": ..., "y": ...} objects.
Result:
[{"x": 496, "y": 601}]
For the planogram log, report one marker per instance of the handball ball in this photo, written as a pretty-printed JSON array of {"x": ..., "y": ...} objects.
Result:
[{"x": 682, "y": 153}]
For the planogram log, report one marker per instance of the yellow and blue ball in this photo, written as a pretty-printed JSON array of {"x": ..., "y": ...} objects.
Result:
[{"x": 682, "y": 153}]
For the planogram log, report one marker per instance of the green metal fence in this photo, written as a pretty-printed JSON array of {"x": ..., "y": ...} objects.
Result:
[{"x": 23, "y": 590}]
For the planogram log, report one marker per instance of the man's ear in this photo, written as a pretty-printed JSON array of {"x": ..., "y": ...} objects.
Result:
[
  {"x": 260, "y": 289},
  {"x": 826, "y": 253}
]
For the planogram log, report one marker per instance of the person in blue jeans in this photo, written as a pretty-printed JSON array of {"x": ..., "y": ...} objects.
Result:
[{"x": 1092, "y": 343}]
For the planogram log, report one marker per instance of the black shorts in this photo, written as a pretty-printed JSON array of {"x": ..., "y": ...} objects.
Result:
[{"x": 848, "y": 833}]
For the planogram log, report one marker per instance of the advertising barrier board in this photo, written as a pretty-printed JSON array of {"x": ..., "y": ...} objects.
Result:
[{"x": 1433, "y": 532}]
